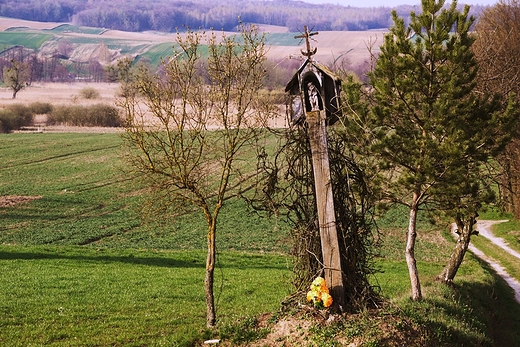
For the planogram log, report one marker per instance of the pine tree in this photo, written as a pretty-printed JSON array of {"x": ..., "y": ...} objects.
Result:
[{"x": 432, "y": 131}]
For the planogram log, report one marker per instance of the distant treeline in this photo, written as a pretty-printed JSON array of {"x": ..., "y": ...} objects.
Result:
[
  {"x": 170, "y": 15},
  {"x": 55, "y": 68}
]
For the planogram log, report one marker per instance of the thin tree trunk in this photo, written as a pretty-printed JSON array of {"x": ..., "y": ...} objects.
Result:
[
  {"x": 464, "y": 230},
  {"x": 209, "y": 280},
  {"x": 510, "y": 183},
  {"x": 410, "y": 248}
]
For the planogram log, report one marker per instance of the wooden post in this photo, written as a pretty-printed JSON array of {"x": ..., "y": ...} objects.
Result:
[
  {"x": 311, "y": 96},
  {"x": 325, "y": 204}
]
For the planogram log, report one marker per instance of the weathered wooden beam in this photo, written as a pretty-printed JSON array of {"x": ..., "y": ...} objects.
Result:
[{"x": 325, "y": 204}]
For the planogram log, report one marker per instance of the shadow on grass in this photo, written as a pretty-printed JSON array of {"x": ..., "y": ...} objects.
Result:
[
  {"x": 499, "y": 310},
  {"x": 469, "y": 313},
  {"x": 174, "y": 259},
  {"x": 58, "y": 156},
  {"x": 50, "y": 209},
  {"x": 127, "y": 259}
]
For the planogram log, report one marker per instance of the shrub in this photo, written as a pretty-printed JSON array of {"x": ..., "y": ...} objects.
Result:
[
  {"x": 40, "y": 107},
  {"x": 7, "y": 121},
  {"x": 103, "y": 115},
  {"x": 275, "y": 96},
  {"x": 14, "y": 117},
  {"x": 95, "y": 115},
  {"x": 65, "y": 115},
  {"x": 22, "y": 113},
  {"x": 89, "y": 93}
]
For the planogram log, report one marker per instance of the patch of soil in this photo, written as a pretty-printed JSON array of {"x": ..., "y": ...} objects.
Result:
[
  {"x": 381, "y": 327},
  {"x": 12, "y": 200},
  {"x": 289, "y": 331}
]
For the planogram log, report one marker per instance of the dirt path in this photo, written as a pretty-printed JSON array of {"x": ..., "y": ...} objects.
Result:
[{"x": 484, "y": 228}]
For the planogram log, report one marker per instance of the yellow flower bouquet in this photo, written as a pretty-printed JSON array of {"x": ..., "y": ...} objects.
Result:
[{"x": 319, "y": 293}]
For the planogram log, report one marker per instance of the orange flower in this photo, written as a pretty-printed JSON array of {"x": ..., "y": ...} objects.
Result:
[
  {"x": 324, "y": 289},
  {"x": 319, "y": 285},
  {"x": 327, "y": 299},
  {"x": 319, "y": 293}
]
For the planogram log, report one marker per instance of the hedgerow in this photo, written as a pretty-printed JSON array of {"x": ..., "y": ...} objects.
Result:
[{"x": 95, "y": 115}]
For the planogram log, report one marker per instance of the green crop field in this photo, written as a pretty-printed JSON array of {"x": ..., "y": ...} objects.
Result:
[
  {"x": 26, "y": 39},
  {"x": 90, "y": 262},
  {"x": 82, "y": 267},
  {"x": 72, "y": 296},
  {"x": 282, "y": 39},
  {"x": 68, "y": 28},
  {"x": 87, "y": 199},
  {"x": 157, "y": 53}
]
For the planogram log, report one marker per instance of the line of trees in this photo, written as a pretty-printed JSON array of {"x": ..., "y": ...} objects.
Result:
[
  {"x": 167, "y": 15},
  {"x": 54, "y": 68},
  {"x": 57, "y": 67},
  {"x": 19, "y": 67}
]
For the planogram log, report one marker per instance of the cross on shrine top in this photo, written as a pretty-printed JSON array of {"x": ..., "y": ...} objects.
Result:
[{"x": 306, "y": 35}]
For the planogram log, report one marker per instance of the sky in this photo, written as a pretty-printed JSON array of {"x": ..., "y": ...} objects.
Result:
[{"x": 392, "y": 3}]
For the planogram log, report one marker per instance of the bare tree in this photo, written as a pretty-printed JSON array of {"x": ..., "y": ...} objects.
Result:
[
  {"x": 188, "y": 128},
  {"x": 497, "y": 49},
  {"x": 96, "y": 70},
  {"x": 16, "y": 76}
]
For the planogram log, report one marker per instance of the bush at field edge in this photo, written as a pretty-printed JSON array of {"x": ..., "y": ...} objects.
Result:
[
  {"x": 14, "y": 117},
  {"x": 101, "y": 115}
]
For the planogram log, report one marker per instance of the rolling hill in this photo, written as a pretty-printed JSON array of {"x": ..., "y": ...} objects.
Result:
[{"x": 106, "y": 46}]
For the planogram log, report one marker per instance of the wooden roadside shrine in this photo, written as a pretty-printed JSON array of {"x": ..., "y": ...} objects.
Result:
[{"x": 314, "y": 92}]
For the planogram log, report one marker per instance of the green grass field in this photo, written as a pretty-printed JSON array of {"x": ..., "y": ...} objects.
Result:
[
  {"x": 88, "y": 199},
  {"x": 159, "y": 52},
  {"x": 81, "y": 259},
  {"x": 80, "y": 267},
  {"x": 282, "y": 39},
  {"x": 73, "y": 296}
]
